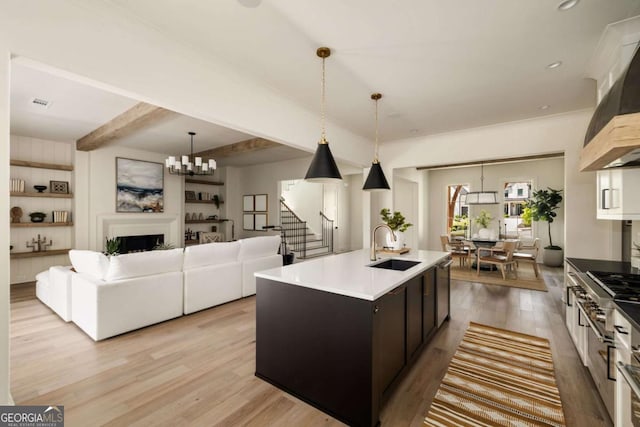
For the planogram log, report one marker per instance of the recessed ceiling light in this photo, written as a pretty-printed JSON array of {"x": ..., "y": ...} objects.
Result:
[
  {"x": 554, "y": 65},
  {"x": 250, "y": 3},
  {"x": 414, "y": 131},
  {"x": 567, "y": 4},
  {"x": 394, "y": 115},
  {"x": 39, "y": 102},
  {"x": 544, "y": 107}
]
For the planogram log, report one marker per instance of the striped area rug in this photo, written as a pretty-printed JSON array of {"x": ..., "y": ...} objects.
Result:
[{"x": 498, "y": 378}]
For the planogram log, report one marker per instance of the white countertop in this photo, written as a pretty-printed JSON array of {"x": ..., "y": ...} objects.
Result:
[{"x": 349, "y": 273}]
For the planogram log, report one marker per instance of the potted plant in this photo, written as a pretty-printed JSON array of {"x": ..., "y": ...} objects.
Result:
[
  {"x": 397, "y": 223},
  {"x": 483, "y": 220},
  {"x": 543, "y": 205},
  {"x": 112, "y": 246}
]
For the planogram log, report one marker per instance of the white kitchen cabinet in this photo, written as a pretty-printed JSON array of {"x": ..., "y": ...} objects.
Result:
[{"x": 618, "y": 193}]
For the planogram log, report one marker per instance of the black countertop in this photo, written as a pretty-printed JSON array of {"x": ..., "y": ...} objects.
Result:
[
  {"x": 631, "y": 312},
  {"x": 583, "y": 265}
]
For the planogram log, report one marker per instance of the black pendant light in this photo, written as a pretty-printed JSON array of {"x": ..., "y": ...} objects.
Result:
[
  {"x": 376, "y": 180},
  {"x": 323, "y": 168}
]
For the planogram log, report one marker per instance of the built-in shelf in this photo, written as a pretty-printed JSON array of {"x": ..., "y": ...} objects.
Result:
[
  {"x": 39, "y": 165},
  {"x": 202, "y": 181},
  {"x": 203, "y": 221},
  {"x": 203, "y": 201},
  {"x": 53, "y": 195},
  {"x": 41, "y": 224},
  {"x": 51, "y": 252}
]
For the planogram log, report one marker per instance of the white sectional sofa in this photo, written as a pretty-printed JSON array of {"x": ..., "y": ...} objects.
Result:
[
  {"x": 212, "y": 275},
  {"x": 108, "y": 296},
  {"x": 135, "y": 290}
]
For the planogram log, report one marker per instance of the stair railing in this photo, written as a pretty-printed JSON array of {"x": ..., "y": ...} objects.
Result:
[
  {"x": 296, "y": 229},
  {"x": 327, "y": 232}
]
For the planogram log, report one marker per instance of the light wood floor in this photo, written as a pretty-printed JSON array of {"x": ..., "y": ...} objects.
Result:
[{"x": 198, "y": 369}]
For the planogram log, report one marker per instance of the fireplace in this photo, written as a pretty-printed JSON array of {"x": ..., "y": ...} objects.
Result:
[{"x": 140, "y": 243}]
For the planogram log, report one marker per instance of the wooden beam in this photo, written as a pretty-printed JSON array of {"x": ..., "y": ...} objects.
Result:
[
  {"x": 620, "y": 136},
  {"x": 241, "y": 147},
  {"x": 487, "y": 162},
  {"x": 137, "y": 117}
]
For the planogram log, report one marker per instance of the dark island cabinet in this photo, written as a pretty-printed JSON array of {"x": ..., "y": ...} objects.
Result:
[{"x": 342, "y": 354}]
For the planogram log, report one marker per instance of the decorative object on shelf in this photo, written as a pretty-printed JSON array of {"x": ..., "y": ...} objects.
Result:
[
  {"x": 17, "y": 185},
  {"x": 140, "y": 186},
  {"x": 397, "y": 223},
  {"x": 37, "y": 216},
  {"x": 59, "y": 187},
  {"x": 39, "y": 244},
  {"x": 190, "y": 195},
  {"x": 16, "y": 214},
  {"x": 323, "y": 168},
  {"x": 210, "y": 237},
  {"x": 200, "y": 216},
  {"x": 481, "y": 197},
  {"x": 60, "y": 216},
  {"x": 216, "y": 201},
  {"x": 376, "y": 181},
  {"x": 40, "y": 188},
  {"x": 187, "y": 215},
  {"x": 543, "y": 204},
  {"x": 483, "y": 220},
  {"x": 194, "y": 216},
  {"x": 190, "y": 165},
  {"x": 112, "y": 246},
  {"x": 261, "y": 202},
  {"x": 212, "y": 217}
]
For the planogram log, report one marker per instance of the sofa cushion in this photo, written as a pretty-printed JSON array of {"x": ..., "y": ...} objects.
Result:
[
  {"x": 211, "y": 254},
  {"x": 256, "y": 247},
  {"x": 92, "y": 263},
  {"x": 144, "y": 264}
]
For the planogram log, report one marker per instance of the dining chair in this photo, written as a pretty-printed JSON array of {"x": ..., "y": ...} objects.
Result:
[
  {"x": 528, "y": 254},
  {"x": 502, "y": 258},
  {"x": 456, "y": 249}
]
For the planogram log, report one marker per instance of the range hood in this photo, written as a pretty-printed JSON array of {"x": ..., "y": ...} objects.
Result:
[{"x": 613, "y": 135}]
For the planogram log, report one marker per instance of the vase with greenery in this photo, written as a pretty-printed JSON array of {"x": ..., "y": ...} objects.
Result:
[
  {"x": 112, "y": 246},
  {"x": 543, "y": 205},
  {"x": 483, "y": 220},
  {"x": 397, "y": 223}
]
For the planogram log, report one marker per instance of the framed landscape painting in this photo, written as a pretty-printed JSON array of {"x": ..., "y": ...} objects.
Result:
[{"x": 139, "y": 186}]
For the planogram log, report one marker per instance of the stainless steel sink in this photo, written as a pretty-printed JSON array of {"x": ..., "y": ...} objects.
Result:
[{"x": 395, "y": 264}]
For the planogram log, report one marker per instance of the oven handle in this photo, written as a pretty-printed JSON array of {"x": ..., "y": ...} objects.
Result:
[
  {"x": 594, "y": 328},
  {"x": 568, "y": 298},
  {"x": 609, "y": 348},
  {"x": 627, "y": 378}
]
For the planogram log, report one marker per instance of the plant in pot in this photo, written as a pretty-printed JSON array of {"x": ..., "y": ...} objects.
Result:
[
  {"x": 483, "y": 220},
  {"x": 397, "y": 223},
  {"x": 543, "y": 205},
  {"x": 112, "y": 246}
]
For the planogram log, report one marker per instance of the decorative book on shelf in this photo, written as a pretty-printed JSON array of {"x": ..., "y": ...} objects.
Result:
[
  {"x": 16, "y": 185},
  {"x": 61, "y": 216}
]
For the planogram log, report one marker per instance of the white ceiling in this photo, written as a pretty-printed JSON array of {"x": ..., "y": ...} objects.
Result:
[{"x": 440, "y": 65}]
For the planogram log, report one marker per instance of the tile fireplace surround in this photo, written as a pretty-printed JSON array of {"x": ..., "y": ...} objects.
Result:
[{"x": 137, "y": 225}]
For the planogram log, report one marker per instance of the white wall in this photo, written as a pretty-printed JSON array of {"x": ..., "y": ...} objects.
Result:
[
  {"x": 38, "y": 150},
  {"x": 544, "y": 173},
  {"x": 355, "y": 196},
  {"x": 584, "y": 237}
]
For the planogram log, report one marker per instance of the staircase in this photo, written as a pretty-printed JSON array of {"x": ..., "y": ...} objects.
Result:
[{"x": 301, "y": 239}]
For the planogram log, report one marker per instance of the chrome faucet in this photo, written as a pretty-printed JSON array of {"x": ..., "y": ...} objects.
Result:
[{"x": 373, "y": 239}]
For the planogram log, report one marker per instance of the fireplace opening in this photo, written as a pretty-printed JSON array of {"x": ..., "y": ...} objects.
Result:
[{"x": 147, "y": 242}]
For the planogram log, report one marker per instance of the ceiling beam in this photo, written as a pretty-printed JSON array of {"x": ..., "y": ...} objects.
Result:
[
  {"x": 137, "y": 117},
  {"x": 241, "y": 147}
]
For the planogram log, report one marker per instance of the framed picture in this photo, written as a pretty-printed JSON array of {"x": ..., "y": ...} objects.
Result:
[
  {"x": 60, "y": 187},
  {"x": 247, "y": 203},
  {"x": 247, "y": 221},
  {"x": 260, "y": 220},
  {"x": 139, "y": 186},
  {"x": 189, "y": 195},
  {"x": 260, "y": 202}
]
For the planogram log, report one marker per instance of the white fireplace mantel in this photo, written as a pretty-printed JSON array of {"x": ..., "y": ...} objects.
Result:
[{"x": 116, "y": 225}]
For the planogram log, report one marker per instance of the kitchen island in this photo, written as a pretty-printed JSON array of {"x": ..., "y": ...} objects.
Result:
[{"x": 338, "y": 332}]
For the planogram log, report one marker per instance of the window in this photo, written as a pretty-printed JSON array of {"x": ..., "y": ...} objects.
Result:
[
  {"x": 516, "y": 193},
  {"x": 457, "y": 210}
]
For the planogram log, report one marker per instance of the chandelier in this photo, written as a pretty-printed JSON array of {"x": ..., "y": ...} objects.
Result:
[
  {"x": 482, "y": 197},
  {"x": 189, "y": 165}
]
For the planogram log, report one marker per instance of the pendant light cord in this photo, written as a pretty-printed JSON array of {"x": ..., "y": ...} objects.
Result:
[
  {"x": 375, "y": 157},
  {"x": 482, "y": 177},
  {"x": 323, "y": 139}
]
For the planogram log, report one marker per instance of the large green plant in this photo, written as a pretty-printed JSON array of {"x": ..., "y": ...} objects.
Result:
[
  {"x": 396, "y": 222},
  {"x": 543, "y": 204}
]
